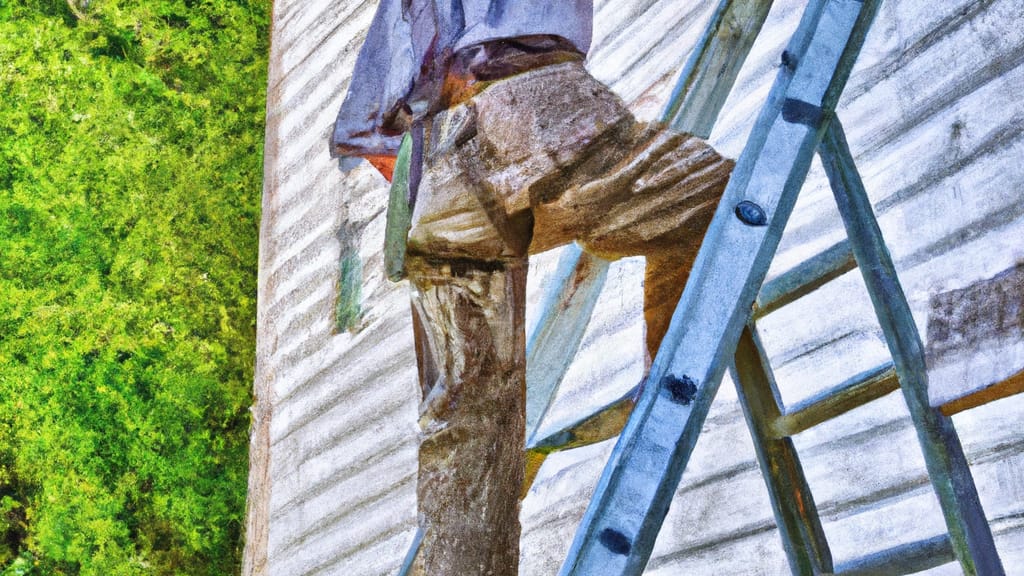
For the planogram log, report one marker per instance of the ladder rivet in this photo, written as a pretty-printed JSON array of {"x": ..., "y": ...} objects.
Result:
[
  {"x": 615, "y": 541},
  {"x": 680, "y": 390},
  {"x": 751, "y": 214},
  {"x": 788, "y": 60}
]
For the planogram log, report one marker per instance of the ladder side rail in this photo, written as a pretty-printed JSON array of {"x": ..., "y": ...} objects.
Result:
[
  {"x": 796, "y": 514},
  {"x": 947, "y": 465},
  {"x": 711, "y": 70},
  {"x": 618, "y": 530}
]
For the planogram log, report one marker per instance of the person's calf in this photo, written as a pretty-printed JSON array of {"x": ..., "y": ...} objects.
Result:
[{"x": 470, "y": 341}]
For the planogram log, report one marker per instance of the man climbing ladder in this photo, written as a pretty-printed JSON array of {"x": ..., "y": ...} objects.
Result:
[{"x": 515, "y": 149}]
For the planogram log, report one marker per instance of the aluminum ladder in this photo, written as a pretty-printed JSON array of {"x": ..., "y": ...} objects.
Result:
[{"x": 713, "y": 324}]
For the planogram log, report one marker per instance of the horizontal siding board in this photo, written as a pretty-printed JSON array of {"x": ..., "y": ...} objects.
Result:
[
  {"x": 328, "y": 551},
  {"x": 372, "y": 559},
  {"x": 340, "y": 505},
  {"x": 375, "y": 558},
  {"x": 647, "y": 47},
  {"x": 555, "y": 505},
  {"x": 332, "y": 393},
  {"x": 313, "y": 439},
  {"x": 344, "y": 456},
  {"x": 756, "y": 554},
  {"x": 322, "y": 39}
]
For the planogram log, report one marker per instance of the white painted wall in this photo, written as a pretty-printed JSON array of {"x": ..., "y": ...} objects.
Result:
[{"x": 935, "y": 118}]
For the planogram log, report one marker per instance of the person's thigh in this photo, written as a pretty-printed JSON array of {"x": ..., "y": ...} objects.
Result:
[
  {"x": 661, "y": 196},
  {"x": 521, "y": 142}
]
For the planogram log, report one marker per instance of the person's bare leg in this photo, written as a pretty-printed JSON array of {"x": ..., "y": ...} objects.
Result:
[
  {"x": 664, "y": 279},
  {"x": 470, "y": 325}
]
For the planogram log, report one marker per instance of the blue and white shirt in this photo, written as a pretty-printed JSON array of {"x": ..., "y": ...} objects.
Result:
[{"x": 407, "y": 47}]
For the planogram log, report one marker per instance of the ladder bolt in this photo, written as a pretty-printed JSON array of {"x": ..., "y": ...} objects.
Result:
[
  {"x": 751, "y": 214},
  {"x": 680, "y": 390},
  {"x": 789, "y": 60},
  {"x": 615, "y": 541}
]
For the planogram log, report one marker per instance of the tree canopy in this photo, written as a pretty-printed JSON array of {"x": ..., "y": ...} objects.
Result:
[{"x": 130, "y": 174}]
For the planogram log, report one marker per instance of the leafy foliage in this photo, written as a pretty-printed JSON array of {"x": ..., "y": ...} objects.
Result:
[{"x": 130, "y": 169}]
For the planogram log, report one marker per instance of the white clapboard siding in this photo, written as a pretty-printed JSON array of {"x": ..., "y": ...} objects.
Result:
[{"x": 935, "y": 120}]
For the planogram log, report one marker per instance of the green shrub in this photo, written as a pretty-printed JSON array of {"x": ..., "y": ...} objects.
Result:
[{"x": 130, "y": 174}]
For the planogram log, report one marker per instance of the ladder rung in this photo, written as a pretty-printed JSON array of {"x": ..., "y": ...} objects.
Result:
[
  {"x": 805, "y": 278},
  {"x": 600, "y": 425},
  {"x": 903, "y": 559},
  {"x": 856, "y": 391},
  {"x": 1012, "y": 385}
]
